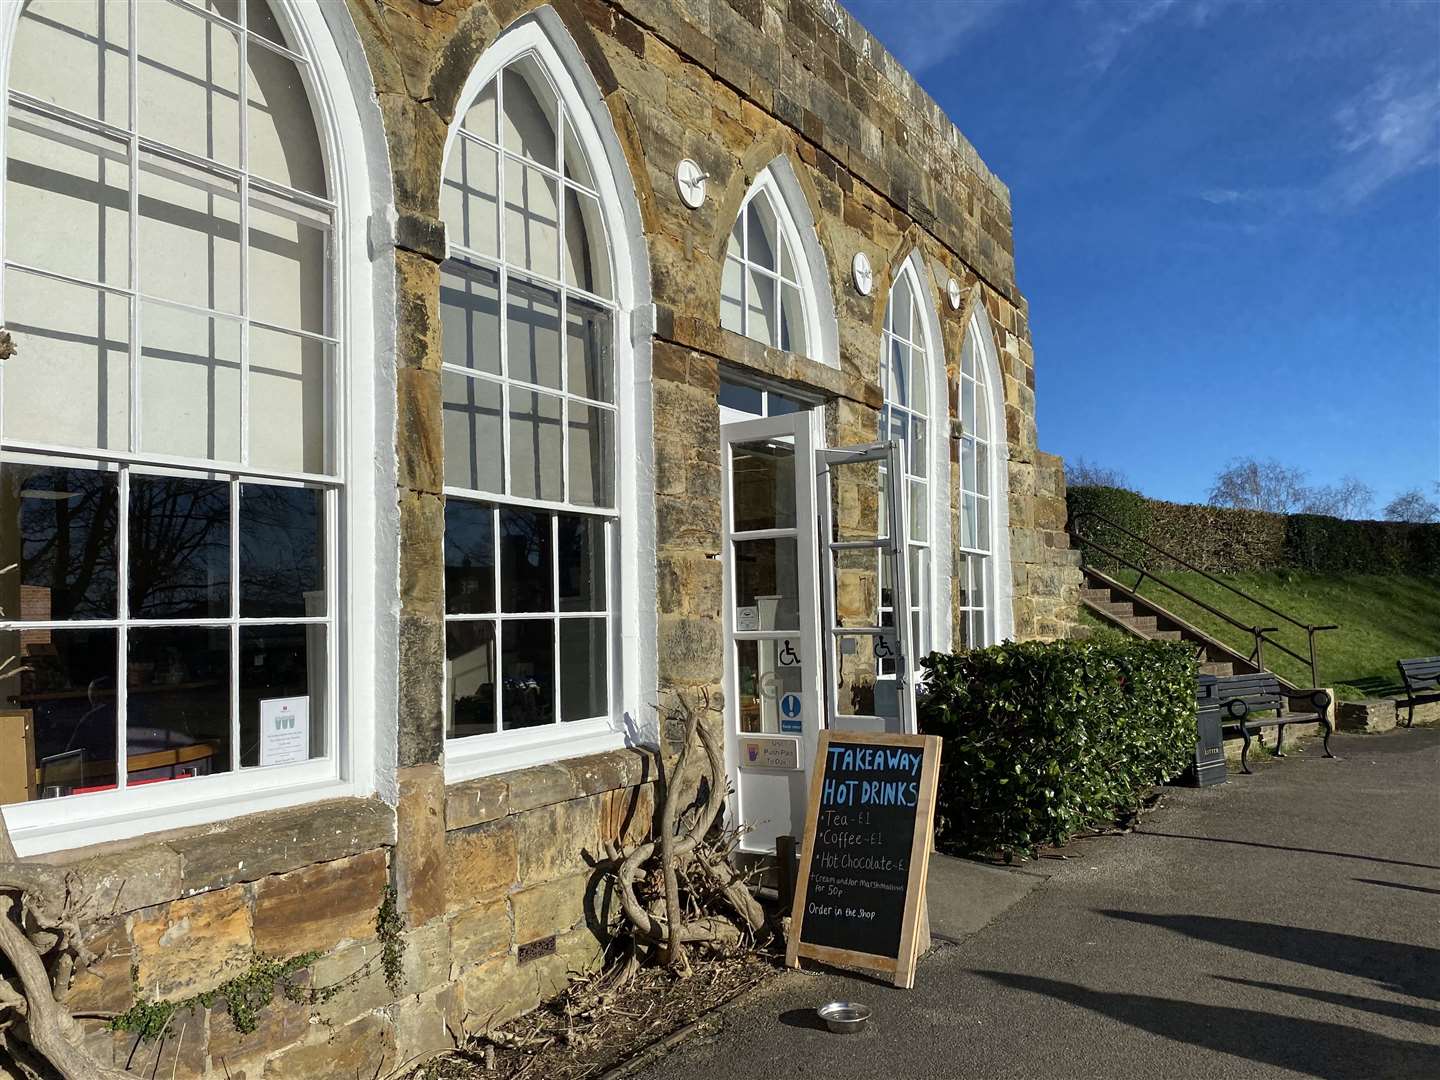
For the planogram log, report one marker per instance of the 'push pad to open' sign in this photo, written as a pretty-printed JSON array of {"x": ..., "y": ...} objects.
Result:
[{"x": 866, "y": 848}]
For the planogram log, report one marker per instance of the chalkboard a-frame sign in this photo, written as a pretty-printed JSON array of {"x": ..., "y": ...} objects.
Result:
[{"x": 861, "y": 891}]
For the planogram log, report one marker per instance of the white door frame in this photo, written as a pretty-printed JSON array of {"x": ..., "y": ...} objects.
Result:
[{"x": 770, "y": 802}]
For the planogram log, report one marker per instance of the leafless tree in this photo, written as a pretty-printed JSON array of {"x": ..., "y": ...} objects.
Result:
[
  {"x": 1082, "y": 473},
  {"x": 1350, "y": 498},
  {"x": 1414, "y": 506},
  {"x": 1249, "y": 484}
]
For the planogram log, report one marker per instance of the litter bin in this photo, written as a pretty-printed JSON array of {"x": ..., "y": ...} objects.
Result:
[{"x": 1209, "y": 766}]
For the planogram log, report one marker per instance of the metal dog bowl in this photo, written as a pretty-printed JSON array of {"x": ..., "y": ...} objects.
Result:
[{"x": 844, "y": 1017}]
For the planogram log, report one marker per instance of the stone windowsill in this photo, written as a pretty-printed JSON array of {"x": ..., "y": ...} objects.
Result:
[
  {"x": 153, "y": 869},
  {"x": 489, "y": 798}
]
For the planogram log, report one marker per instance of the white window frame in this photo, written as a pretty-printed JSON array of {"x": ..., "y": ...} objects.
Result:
[
  {"x": 999, "y": 608},
  {"x": 796, "y": 226},
  {"x": 350, "y": 130},
  {"x": 630, "y": 585},
  {"x": 936, "y": 601}
]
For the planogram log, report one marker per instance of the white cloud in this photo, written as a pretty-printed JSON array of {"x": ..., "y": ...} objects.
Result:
[
  {"x": 924, "y": 33},
  {"x": 1119, "y": 24},
  {"x": 1389, "y": 130}
]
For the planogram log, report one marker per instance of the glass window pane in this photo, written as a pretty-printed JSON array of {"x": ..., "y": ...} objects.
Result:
[
  {"x": 732, "y": 298},
  {"x": 189, "y": 384},
  {"x": 969, "y": 521},
  {"x": 787, "y": 261},
  {"x": 531, "y": 112},
  {"x": 587, "y": 256},
  {"x": 75, "y": 56},
  {"x": 284, "y": 144},
  {"x": 767, "y": 578},
  {"x": 898, "y": 388},
  {"x": 536, "y": 471},
  {"x": 532, "y": 333},
  {"x": 282, "y": 552},
  {"x": 762, "y": 477},
  {"x": 792, "y": 319},
  {"x": 66, "y": 679},
  {"x": 469, "y": 197},
  {"x": 977, "y": 630},
  {"x": 259, "y": 19},
  {"x": 919, "y": 511},
  {"x": 189, "y": 82},
  {"x": 979, "y": 568},
  {"x": 982, "y": 468},
  {"x": 526, "y": 571},
  {"x": 742, "y": 398},
  {"x": 532, "y": 220},
  {"x": 583, "y": 663},
  {"x": 59, "y": 525},
  {"x": 469, "y": 678},
  {"x": 967, "y": 464},
  {"x": 283, "y": 676},
  {"x": 67, "y": 199},
  {"x": 469, "y": 557},
  {"x": 962, "y": 582},
  {"x": 527, "y": 658},
  {"x": 763, "y": 232},
  {"x": 967, "y": 355},
  {"x": 589, "y": 359},
  {"x": 592, "y": 455},
  {"x": 474, "y": 455},
  {"x": 72, "y": 345},
  {"x": 580, "y": 560},
  {"x": 177, "y": 703},
  {"x": 179, "y": 547},
  {"x": 760, "y": 321},
  {"x": 982, "y": 412},
  {"x": 780, "y": 405},
  {"x": 189, "y": 234},
  {"x": 982, "y": 524},
  {"x": 577, "y": 167},
  {"x": 762, "y": 681},
  {"x": 289, "y": 265},
  {"x": 289, "y": 384},
  {"x": 919, "y": 575},
  {"x": 480, "y": 117},
  {"x": 900, "y": 301},
  {"x": 967, "y": 406},
  {"x": 919, "y": 447},
  {"x": 470, "y": 316}
]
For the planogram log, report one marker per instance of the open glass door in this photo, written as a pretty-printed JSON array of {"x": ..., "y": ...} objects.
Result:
[
  {"x": 868, "y": 653},
  {"x": 771, "y": 624}
]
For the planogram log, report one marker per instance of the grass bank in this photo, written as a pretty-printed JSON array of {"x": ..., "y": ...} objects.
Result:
[{"x": 1382, "y": 618}]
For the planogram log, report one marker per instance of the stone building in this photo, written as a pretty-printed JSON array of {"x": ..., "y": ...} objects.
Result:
[{"x": 414, "y": 400}]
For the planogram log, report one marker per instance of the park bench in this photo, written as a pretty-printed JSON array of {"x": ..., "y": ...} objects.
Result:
[
  {"x": 1242, "y": 699},
  {"x": 1416, "y": 674}
]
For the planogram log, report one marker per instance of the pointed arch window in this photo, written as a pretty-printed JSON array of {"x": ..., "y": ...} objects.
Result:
[
  {"x": 976, "y": 564},
  {"x": 905, "y": 382},
  {"x": 172, "y": 482},
  {"x": 765, "y": 287},
  {"x": 530, "y": 402}
]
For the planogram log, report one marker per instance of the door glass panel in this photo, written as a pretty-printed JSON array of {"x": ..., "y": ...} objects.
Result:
[
  {"x": 857, "y": 587},
  {"x": 764, "y": 679},
  {"x": 857, "y": 507},
  {"x": 763, "y": 486},
  {"x": 767, "y": 584}
]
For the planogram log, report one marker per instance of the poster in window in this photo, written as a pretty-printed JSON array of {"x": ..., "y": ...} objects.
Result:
[{"x": 284, "y": 730}]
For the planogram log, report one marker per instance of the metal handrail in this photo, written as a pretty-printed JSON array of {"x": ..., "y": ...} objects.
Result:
[{"x": 1259, "y": 633}]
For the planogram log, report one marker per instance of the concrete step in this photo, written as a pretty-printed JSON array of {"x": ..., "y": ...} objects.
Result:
[
  {"x": 1096, "y": 596},
  {"x": 1146, "y": 624},
  {"x": 1121, "y": 608},
  {"x": 1222, "y": 670},
  {"x": 1168, "y": 635}
]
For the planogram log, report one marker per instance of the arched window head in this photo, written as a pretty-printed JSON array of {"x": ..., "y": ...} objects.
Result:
[
  {"x": 905, "y": 415},
  {"x": 532, "y": 399},
  {"x": 173, "y": 488},
  {"x": 978, "y": 495},
  {"x": 768, "y": 284}
]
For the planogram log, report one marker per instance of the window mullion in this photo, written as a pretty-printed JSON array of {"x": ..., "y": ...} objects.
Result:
[
  {"x": 555, "y": 607},
  {"x": 133, "y": 237},
  {"x": 244, "y": 192},
  {"x": 496, "y": 642},
  {"x": 234, "y": 624},
  {"x": 122, "y": 634}
]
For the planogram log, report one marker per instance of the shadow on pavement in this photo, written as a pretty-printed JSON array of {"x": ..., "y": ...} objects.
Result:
[
  {"x": 1395, "y": 1010},
  {"x": 1407, "y": 969},
  {"x": 1316, "y": 1048},
  {"x": 803, "y": 1018},
  {"x": 1282, "y": 847},
  {"x": 1396, "y": 885}
]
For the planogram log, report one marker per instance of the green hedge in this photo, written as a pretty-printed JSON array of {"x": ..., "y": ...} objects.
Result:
[
  {"x": 1045, "y": 739},
  {"x": 1227, "y": 541}
]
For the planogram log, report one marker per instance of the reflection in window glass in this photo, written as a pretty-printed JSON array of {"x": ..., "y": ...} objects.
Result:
[
  {"x": 282, "y": 559},
  {"x": 282, "y": 694},
  {"x": 530, "y": 411},
  {"x": 179, "y": 548},
  {"x": 762, "y": 480},
  {"x": 59, "y": 528},
  {"x": 177, "y": 702}
]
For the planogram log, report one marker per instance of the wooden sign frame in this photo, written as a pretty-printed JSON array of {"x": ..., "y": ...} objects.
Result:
[{"x": 914, "y": 923}]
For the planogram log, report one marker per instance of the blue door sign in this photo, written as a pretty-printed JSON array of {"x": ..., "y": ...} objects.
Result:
[{"x": 790, "y": 706}]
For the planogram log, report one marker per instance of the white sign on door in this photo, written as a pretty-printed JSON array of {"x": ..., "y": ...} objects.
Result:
[
  {"x": 788, "y": 655},
  {"x": 747, "y": 618},
  {"x": 284, "y": 730}
]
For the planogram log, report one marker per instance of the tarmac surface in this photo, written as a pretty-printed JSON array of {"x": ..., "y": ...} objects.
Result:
[{"x": 1284, "y": 924}]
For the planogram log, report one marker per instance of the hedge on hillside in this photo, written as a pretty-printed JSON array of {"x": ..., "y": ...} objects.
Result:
[
  {"x": 1045, "y": 739},
  {"x": 1226, "y": 541}
]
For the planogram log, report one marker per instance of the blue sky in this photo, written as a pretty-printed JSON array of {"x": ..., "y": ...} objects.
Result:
[{"x": 1227, "y": 222}]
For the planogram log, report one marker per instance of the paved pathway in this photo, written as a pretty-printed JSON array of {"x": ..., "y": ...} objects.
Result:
[{"x": 1284, "y": 924}]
